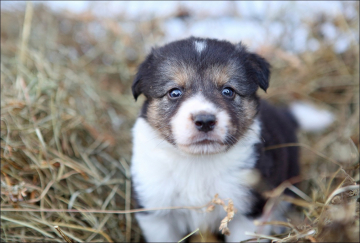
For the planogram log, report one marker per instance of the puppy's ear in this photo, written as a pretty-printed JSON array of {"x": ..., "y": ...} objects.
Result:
[
  {"x": 258, "y": 69},
  {"x": 144, "y": 71},
  {"x": 136, "y": 86}
]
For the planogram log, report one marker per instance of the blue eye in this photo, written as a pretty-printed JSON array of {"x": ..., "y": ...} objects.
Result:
[
  {"x": 228, "y": 92},
  {"x": 175, "y": 93}
]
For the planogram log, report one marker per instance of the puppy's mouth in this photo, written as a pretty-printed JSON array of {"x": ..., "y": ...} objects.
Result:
[
  {"x": 206, "y": 141},
  {"x": 204, "y": 146}
]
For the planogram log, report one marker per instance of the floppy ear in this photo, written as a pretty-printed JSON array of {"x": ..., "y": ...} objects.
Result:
[
  {"x": 136, "y": 86},
  {"x": 258, "y": 69},
  {"x": 143, "y": 71}
]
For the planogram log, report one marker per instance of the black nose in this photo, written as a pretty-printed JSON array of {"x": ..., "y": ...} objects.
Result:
[{"x": 205, "y": 122}]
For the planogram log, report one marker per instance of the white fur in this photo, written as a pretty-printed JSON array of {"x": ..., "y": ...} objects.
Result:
[
  {"x": 163, "y": 176},
  {"x": 200, "y": 46},
  {"x": 185, "y": 133},
  {"x": 242, "y": 224},
  {"x": 311, "y": 118}
]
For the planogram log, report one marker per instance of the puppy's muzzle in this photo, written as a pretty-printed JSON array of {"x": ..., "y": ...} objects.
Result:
[{"x": 204, "y": 122}]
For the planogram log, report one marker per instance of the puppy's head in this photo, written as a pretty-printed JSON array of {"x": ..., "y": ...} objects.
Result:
[{"x": 201, "y": 93}]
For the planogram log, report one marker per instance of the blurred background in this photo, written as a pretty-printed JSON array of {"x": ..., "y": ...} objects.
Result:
[{"x": 67, "y": 108}]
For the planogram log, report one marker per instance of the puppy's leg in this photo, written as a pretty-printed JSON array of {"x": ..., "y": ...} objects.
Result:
[
  {"x": 158, "y": 228},
  {"x": 241, "y": 224}
]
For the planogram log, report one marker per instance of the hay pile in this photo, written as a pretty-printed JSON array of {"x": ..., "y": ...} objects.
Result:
[
  {"x": 67, "y": 112},
  {"x": 66, "y": 115}
]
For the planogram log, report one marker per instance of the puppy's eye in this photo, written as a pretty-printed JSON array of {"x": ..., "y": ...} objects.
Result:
[
  {"x": 228, "y": 92},
  {"x": 175, "y": 93}
]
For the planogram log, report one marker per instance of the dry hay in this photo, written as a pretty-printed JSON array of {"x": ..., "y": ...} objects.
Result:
[{"x": 67, "y": 112}]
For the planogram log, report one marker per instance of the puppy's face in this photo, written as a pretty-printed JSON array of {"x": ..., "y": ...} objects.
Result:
[{"x": 201, "y": 93}]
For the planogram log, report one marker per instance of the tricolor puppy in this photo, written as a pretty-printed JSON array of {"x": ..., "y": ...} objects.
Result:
[{"x": 202, "y": 131}]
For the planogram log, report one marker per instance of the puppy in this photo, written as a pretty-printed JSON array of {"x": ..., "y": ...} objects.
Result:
[{"x": 201, "y": 132}]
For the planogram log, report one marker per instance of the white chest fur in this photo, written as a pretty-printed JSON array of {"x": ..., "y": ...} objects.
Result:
[{"x": 164, "y": 176}]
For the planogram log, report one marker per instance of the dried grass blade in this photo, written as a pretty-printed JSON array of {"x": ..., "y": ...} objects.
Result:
[
  {"x": 26, "y": 225},
  {"x": 72, "y": 226},
  {"x": 187, "y": 236},
  {"x": 340, "y": 190},
  {"x": 26, "y": 30},
  {"x": 262, "y": 236},
  {"x": 67, "y": 239}
]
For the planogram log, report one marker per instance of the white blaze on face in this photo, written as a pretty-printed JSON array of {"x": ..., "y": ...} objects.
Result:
[
  {"x": 200, "y": 46},
  {"x": 187, "y": 137}
]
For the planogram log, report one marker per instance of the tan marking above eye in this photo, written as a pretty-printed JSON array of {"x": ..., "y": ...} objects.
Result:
[
  {"x": 220, "y": 74},
  {"x": 180, "y": 73}
]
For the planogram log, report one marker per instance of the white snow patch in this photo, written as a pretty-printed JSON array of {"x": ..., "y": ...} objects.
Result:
[
  {"x": 311, "y": 118},
  {"x": 253, "y": 22}
]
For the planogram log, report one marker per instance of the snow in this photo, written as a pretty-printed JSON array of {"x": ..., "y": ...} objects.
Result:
[{"x": 253, "y": 22}]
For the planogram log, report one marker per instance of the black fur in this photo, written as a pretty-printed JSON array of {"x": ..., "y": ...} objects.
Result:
[
  {"x": 144, "y": 109},
  {"x": 275, "y": 165},
  {"x": 278, "y": 127},
  {"x": 258, "y": 70},
  {"x": 257, "y": 206}
]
